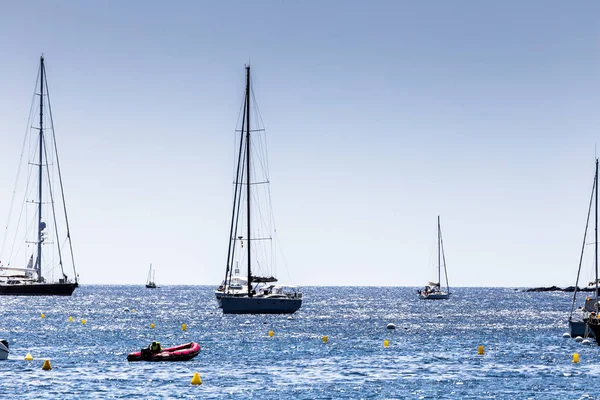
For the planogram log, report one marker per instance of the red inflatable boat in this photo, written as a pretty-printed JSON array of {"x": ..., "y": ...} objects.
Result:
[{"x": 183, "y": 352}]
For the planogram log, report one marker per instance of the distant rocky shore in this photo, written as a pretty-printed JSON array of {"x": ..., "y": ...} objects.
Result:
[{"x": 557, "y": 289}]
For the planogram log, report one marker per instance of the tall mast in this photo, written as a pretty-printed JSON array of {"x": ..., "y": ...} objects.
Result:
[
  {"x": 248, "y": 174},
  {"x": 596, "y": 236},
  {"x": 439, "y": 256},
  {"x": 38, "y": 265}
]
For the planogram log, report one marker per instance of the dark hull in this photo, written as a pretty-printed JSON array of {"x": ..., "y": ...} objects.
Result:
[
  {"x": 579, "y": 328},
  {"x": 258, "y": 305},
  {"x": 596, "y": 329},
  {"x": 38, "y": 289},
  {"x": 151, "y": 286}
]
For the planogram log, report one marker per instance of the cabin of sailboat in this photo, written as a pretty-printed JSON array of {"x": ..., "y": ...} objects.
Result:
[
  {"x": 434, "y": 290},
  {"x": 36, "y": 252},
  {"x": 251, "y": 238}
]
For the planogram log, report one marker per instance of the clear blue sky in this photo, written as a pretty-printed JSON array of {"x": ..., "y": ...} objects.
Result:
[{"x": 380, "y": 115}]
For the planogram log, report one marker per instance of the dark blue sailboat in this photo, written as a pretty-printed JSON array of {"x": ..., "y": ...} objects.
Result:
[{"x": 261, "y": 294}]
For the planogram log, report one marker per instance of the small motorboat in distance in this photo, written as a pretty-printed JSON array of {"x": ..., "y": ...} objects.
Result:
[
  {"x": 155, "y": 352},
  {"x": 4, "y": 349}
]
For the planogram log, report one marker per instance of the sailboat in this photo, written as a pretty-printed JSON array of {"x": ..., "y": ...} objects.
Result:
[
  {"x": 433, "y": 290},
  {"x": 151, "y": 281},
  {"x": 41, "y": 236},
  {"x": 593, "y": 322},
  {"x": 253, "y": 294},
  {"x": 578, "y": 319}
]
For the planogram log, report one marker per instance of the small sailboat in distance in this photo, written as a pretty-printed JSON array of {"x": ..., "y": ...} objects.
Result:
[
  {"x": 151, "y": 281},
  {"x": 434, "y": 290}
]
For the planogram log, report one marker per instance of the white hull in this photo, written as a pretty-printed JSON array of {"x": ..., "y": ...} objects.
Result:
[{"x": 435, "y": 296}]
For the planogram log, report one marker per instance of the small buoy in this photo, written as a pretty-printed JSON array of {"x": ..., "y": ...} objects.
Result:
[
  {"x": 43, "y": 315},
  {"x": 325, "y": 339},
  {"x": 578, "y": 339},
  {"x": 386, "y": 343},
  {"x": 151, "y": 326},
  {"x": 28, "y": 357},
  {"x": 133, "y": 310},
  {"x": 196, "y": 379},
  {"x": 46, "y": 366},
  {"x": 586, "y": 341},
  {"x": 183, "y": 327},
  {"x": 575, "y": 358},
  {"x": 480, "y": 350},
  {"x": 271, "y": 333},
  {"x": 391, "y": 326},
  {"x": 70, "y": 319},
  {"x": 566, "y": 335},
  {"x": 83, "y": 321}
]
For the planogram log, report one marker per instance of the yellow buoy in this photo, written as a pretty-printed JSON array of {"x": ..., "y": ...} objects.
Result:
[
  {"x": 46, "y": 366},
  {"x": 43, "y": 315},
  {"x": 386, "y": 343},
  {"x": 83, "y": 321},
  {"x": 480, "y": 350},
  {"x": 133, "y": 310},
  {"x": 271, "y": 333},
  {"x": 196, "y": 379},
  {"x": 70, "y": 319},
  {"x": 325, "y": 339},
  {"x": 28, "y": 357},
  {"x": 151, "y": 326},
  {"x": 184, "y": 327},
  {"x": 575, "y": 358}
]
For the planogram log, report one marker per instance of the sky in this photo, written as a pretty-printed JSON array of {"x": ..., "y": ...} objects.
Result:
[{"x": 379, "y": 115}]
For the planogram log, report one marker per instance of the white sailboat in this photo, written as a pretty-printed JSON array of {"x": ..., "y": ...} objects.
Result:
[
  {"x": 251, "y": 234},
  {"x": 434, "y": 290},
  {"x": 151, "y": 281}
]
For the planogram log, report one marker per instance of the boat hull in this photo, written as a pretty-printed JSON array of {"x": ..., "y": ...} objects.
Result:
[
  {"x": 4, "y": 350},
  {"x": 578, "y": 328},
  {"x": 435, "y": 296},
  {"x": 184, "y": 352},
  {"x": 596, "y": 329},
  {"x": 259, "y": 305},
  {"x": 38, "y": 289}
]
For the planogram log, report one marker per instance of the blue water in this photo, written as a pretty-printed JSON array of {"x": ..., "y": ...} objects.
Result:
[{"x": 432, "y": 354}]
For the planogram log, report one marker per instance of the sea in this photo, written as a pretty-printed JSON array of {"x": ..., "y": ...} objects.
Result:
[{"x": 432, "y": 353}]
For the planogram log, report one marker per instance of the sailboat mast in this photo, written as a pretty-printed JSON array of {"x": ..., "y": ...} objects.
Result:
[
  {"x": 38, "y": 265},
  {"x": 439, "y": 256},
  {"x": 596, "y": 236},
  {"x": 249, "y": 240}
]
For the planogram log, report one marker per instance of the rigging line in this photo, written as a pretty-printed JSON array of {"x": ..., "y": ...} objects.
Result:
[
  {"x": 444, "y": 260},
  {"x": 31, "y": 107},
  {"x": 62, "y": 191},
  {"x": 261, "y": 123},
  {"x": 53, "y": 209},
  {"x": 237, "y": 190},
  {"x": 23, "y": 210},
  {"x": 582, "y": 250}
]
